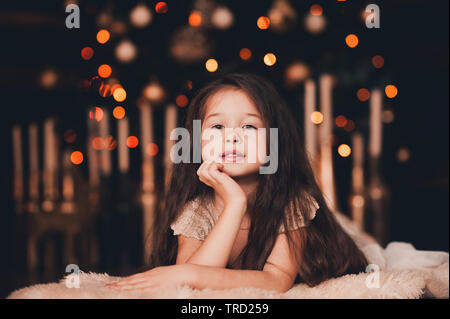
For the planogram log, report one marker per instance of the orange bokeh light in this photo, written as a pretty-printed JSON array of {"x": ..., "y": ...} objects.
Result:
[
  {"x": 120, "y": 94},
  {"x": 363, "y": 94},
  {"x": 316, "y": 117},
  {"x": 352, "y": 40},
  {"x": 98, "y": 143},
  {"x": 378, "y": 61},
  {"x": 350, "y": 126},
  {"x": 119, "y": 112},
  {"x": 316, "y": 10},
  {"x": 212, "y": 65},
  {"x": 132, "y": 141},
  {"x": 195, "y": 19},
  {"x": 341, "y": 121},
  {"x": 104, "y": 70},
  {"x": 161, "y": 7},
  {"x": 152, "y": 149},
  {"x": 115, "y": 86},
  {"x": 182, "y": 100},
  {"x": 263, "y": 23},
  {"x": 270, "y": 59},
  {"x": 245, "y": 54},
  {"x": 104, "y": 90},
  {"x": 344, "y": 150},
  {"x": 76, "y": 157},
  {"x": 87, "y": 53},
  {"x": 391, "y": 91},
  {"x": 98, "y": 114},
  {"x": 103, "y": 36}
]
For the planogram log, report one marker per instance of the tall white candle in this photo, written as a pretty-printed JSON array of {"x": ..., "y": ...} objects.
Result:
[
  {"x": 123, "y": 152},
  {"x": 170, "y": 125},
  {"x": 310, "y": 127},
  {"x": 33, "y": 161},
  {"x": 93, "y": 158},
  {"x": 49, "y": 145},
  {"x": 106, "y": 165},
  {"x": 146, "y": 129},
  {"x": 376, "y": 132},
  {"x": 326, "y": 154}
]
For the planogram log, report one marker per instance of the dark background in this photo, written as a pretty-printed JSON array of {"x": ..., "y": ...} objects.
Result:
[{"x": 413, "y": 39}]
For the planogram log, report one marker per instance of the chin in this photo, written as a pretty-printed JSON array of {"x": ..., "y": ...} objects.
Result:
[{"x": 239, "y": 169}]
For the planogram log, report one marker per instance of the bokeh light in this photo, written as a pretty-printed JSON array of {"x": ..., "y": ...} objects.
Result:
[
  {"x": 391, "y": 91},
  {"x": 341, "y": 121},
  {"x": 245, "y": 54},
  {"x": 212, "y": 65},
  {"x": 388, "y": 116},
  {"x": 104, "y": 70},
  {"x": 152, "y": 149},
  {"x": 103, "y": 36},
  {"x": 195, "y": 19},
  {"x": 161, "y": 7},
  {"x": 270, "y": 59},
  {"x": 344, "y": 150},
  {"x": 120, "y": 94},
  {"x": 316, "y": 10},
  {"x": 98, "y": 114},
  {"x": 350, "y": 126},
  {"x": 363, "y": 94},
  {"x": 316, "y": 117},
  {"x": 76, "y": 157},
  {"x": 132, "y": 141},
  {"x": 352, "y": 40},
  {"x": 378, "y": 61},
  {"x": 119, "y": 112},
  {"x": 87, "y": 53},
  {"x": 98, "y": 143},
  {"x": 263, "y": 23},
  {"x": 182, "y": 100},
  {"x": 70, "y": 136}
]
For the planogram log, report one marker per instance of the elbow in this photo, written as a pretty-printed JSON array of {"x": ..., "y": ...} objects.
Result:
[{"x": 280, "y": 284}]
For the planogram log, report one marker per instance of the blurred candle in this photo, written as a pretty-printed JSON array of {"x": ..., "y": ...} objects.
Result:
[
  {"x": 18, "y": 166},
  {"x": 357, "y": 201},
  {"x": 326, "y": 162},
  {"x": 375, "y": 142},
  {"x": 146, "y": 129},
  {"x": 170, "y": 125},
  {"x": 50, "y": 165},
  {"x": 104, "y": 134},
  {"x": 91, "y": 152},
  {"x": 122, "y": 128},
  {"x": 34, "y": 162},
  {"x": 310, "y": 127}
]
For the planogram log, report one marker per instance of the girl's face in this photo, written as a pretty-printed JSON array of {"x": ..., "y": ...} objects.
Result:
[{"x": 230, "y": 133}]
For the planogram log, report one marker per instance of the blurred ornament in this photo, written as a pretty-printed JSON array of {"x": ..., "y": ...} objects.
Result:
[
  {"x": 295, "y": 73},
  {"x": 141, "y": 16},
  {"x": 282, "y": 16},
  {"x": 190, "y": 45},
  {"x": 315, "y": 24},
  {"x": 48, "y": 79},
  {"x": 154, "y": 92},
  {"x": 126, "y": 51},
  {"x": 205, "y": 8},
  {"x": 222, "y": 18}
]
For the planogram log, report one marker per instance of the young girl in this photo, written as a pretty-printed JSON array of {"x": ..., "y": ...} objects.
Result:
[{"x": 225, "y": 225}]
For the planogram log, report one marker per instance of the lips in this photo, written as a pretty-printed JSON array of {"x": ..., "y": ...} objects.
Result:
[{"x": 232, "y": 155}]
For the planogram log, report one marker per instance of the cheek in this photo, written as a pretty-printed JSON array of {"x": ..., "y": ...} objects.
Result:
[{"x": 211, "y": 146}]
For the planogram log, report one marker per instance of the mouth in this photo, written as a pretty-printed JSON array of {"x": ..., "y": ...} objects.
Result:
[{"x": 232, "y": 156}]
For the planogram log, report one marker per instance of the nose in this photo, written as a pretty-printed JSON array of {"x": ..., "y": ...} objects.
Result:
[{"x": 232, "y": 136}]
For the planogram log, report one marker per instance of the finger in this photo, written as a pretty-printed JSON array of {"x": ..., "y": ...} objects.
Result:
[
  {"x": 214, "y": 172},
  {"x": 130, "y": 281},
  {"x": 143, "y": 285},
  {"x": 205, "y": 173}
]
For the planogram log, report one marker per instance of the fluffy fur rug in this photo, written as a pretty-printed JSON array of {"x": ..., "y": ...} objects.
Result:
[{"x": 404, "y": 273}]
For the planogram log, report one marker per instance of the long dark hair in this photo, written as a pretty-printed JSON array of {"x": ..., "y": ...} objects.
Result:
[{"x": 322, "y": 249}]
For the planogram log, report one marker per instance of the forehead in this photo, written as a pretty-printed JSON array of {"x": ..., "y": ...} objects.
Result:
[{"x": 230, "y": 101}]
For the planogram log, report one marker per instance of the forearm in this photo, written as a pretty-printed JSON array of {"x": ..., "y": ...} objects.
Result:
[
  {"x": 216, "y": 248},
  {"x": 224, "y": 278}
]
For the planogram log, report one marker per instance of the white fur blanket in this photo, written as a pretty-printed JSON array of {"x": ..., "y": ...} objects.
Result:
[{"x": 401, "y": 272}]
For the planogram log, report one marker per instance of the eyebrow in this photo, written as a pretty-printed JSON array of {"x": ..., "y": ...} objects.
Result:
[{"x": 217, "y": 114}]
